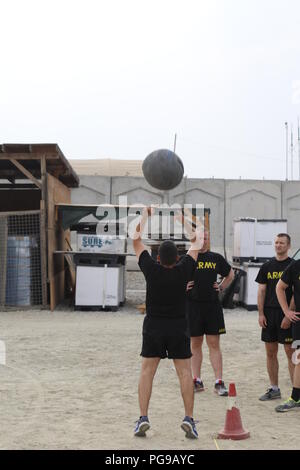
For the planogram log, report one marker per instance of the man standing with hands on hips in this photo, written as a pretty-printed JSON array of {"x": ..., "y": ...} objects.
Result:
[
  {"x": 291, "y": 278},
  {"x": 205, "y": 314},
  {"x": 271, "y": 315}
]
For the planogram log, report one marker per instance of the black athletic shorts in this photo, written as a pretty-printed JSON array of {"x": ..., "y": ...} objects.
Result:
[
  {"x": 165, "y": 337},
  {"x": 205, "y": 318},
  {"x": 296, "y": 332},
  {"x": 273, "y": 333}
]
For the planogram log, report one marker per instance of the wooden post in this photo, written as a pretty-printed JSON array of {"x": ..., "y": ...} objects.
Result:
[
  {"x": 57, "y": 191},
  {"x": 43, "y": 229},
  {"x": 3, "y": 259}
]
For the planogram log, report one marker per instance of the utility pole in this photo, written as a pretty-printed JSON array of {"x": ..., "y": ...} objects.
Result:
[
  {"x": 298, "y": 149},
  {"x": 292, "y": 154},
  {"x": 286, "y": 151},
  {"x": 175, "y": 139}
]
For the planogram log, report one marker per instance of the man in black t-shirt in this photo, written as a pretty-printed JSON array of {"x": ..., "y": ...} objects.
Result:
[
  {"x": 205, "y": 313},
  {"x": 271, "y": 315},
  {"x": 164, "y": 328},
  {"x": 291, "y": 279}
]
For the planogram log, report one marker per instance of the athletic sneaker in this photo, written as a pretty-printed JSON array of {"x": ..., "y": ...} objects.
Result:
[
  {"x": 142, "y": 425},
  {"x": 270, "y": 394},
  {"x": 288, "y": 405},
  {"x": 189, "y": 427},
  {"x": 220, "y": 389},
  {"x": 198, "y": 385}
]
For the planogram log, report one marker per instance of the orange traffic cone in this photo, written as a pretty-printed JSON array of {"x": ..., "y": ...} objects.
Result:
[{"x": 233, "y": 428}]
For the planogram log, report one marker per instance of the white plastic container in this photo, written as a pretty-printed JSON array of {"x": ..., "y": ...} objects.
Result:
[
  {"x": 254, "y": 238},
  {"x": 99, "y": 286}
]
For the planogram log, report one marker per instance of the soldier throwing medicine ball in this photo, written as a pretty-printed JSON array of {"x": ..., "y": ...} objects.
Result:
[
  {"x": 271, "y": 315},
  {"x": 164, "y": 327},
  {"x": 205, "y": 314}
]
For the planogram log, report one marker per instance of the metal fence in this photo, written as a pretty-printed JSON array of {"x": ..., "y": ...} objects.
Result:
[{"x": 20, "y": 259}]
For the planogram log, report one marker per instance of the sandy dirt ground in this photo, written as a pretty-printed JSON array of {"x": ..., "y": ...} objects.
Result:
[{"x": 70, "y": 382}]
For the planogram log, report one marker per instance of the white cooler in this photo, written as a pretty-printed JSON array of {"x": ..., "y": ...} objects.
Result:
[
  {"x": 249, "y": 288},
  {"x": 99, "y": 286}
]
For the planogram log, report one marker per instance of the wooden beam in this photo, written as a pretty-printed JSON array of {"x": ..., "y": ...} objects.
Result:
[
  {"x": 26, "y": 156},
  {"x": 25, "y": 172},
  {"x": 8, "y": 213},
  {"x": 18, "y": 186},
  {"x": 5, "y": 174}
]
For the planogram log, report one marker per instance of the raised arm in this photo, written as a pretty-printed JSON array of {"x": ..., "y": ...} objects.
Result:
[
  {"x": 138, "y": 245},
  {"x": 195, "y": 235}
]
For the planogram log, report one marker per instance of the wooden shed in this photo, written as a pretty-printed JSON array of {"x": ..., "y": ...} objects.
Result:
[{"x": 33, "y": 179}]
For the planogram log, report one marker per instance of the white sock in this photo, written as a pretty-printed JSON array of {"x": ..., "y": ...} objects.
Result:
[
  {"x": 275, "y": 388},
  {"x": 218, "y": 380}
]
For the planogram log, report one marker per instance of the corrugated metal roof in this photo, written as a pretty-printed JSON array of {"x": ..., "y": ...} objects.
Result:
[{"x": 108, "y": 167}]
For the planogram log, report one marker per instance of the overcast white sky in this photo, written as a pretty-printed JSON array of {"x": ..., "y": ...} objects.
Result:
[{"x": 118, "y": 78}]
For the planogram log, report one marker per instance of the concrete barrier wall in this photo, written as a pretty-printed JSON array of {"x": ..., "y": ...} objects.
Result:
[
  {"x": 246, "y": 198},
  {"x": 291, "y": 210},
  {"x": 226, "y": 199}
]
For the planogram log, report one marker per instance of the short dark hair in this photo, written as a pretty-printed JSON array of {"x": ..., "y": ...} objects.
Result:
[
  {"x": 286, "y": 235},
  {"x": 168, "y": 252}
]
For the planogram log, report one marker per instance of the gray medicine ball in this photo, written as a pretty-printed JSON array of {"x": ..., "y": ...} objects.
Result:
[{"x": 163, "y": 169}]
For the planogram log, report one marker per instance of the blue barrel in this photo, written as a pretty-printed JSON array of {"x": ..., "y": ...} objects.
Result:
[{"x": 18, "y": 271}]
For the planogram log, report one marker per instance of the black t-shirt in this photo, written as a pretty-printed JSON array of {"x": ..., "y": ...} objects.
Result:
[
  {"x": 166, "y": 287},
  {"x": 208, "y": 266},
  {"x": 269, "y": 274},
  {"x": 291, "y": 276}
]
